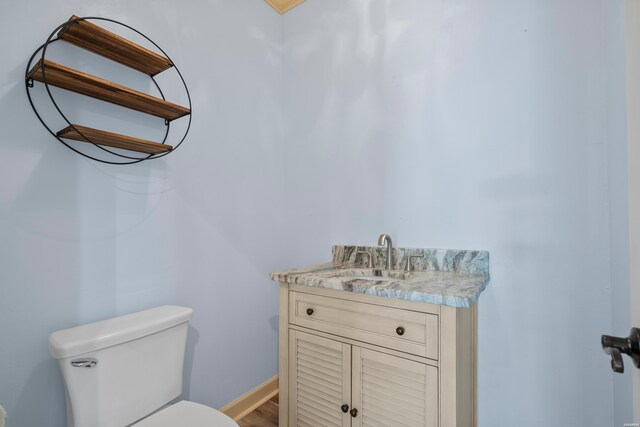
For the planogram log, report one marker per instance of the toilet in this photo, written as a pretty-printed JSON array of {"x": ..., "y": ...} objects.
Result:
[{"x": 125, "y": 371}]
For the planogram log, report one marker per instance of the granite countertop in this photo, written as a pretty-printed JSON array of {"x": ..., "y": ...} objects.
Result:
[{"x": 445, "y": 277}]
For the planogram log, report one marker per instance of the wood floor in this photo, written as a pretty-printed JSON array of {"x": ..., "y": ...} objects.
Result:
[{"x": 264, "y": 416}]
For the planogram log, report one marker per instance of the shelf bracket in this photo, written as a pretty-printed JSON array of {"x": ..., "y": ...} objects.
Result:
[
  {"x": 29, "y": 82},
  {"x": 167, "y": 122}
]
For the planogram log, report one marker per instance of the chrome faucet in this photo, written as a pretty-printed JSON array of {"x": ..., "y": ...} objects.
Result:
[
  {"x": 369, "y": 257},
  {"x": 385, "y": 239}
]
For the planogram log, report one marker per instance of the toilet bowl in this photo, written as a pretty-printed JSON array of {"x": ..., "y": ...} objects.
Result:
[
  {"x": 187, "y": 414},
  {"x": 125, "y": 371}
]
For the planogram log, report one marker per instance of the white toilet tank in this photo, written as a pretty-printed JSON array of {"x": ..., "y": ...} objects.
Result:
[{"x": 120, "y": 370}]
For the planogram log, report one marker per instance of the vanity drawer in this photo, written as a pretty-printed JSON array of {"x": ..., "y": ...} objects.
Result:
[{"x": 403, "y": 330}]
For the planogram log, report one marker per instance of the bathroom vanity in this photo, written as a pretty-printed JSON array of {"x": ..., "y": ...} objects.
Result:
[{"x": 363, "y": 345}]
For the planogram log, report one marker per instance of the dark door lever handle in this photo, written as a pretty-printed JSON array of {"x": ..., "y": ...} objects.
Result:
[
  {"x": 616, "y": 346},
  {"x": 616, "y": 359}
]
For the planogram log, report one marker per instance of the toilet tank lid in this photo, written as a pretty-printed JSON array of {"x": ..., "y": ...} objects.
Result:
[{"x": 95, "y": 336}]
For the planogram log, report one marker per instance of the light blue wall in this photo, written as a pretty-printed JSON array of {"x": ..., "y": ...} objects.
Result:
[
  {"x": 618, "y": 194},
  {"x": 489, "y": 124},
  {"x": 82, "y": 241},
  {"x": 472, "y": 124}
]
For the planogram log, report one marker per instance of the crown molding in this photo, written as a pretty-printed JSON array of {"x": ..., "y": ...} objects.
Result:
[{"x": 281, "y": 6}]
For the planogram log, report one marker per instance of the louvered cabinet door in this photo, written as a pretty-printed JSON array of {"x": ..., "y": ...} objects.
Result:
[
  {"x": 319, "y": 381},
  {"x": 392, "y": 391}
]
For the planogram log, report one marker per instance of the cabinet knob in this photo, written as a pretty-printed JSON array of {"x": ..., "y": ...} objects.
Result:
[
  {"x": 354, "y": 412},
  {"x": 400, "y": 330},
  {"x": 309, "y": 311},
  {"x": 345, "y": 408}
]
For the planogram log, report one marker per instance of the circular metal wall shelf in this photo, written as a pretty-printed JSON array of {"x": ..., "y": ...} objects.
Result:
[{"x": 82, "y": 33}]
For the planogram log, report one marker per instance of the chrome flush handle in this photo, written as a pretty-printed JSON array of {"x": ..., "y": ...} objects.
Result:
[{"x": 89, "y": 362}]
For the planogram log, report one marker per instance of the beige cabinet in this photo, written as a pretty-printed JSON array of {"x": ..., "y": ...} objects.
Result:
[
  {"x": 320, "y": 381},
  {"x": 356, "y": 360},
  {"x": 336, "y": 384},
  {"x": 392, "y": 391}
]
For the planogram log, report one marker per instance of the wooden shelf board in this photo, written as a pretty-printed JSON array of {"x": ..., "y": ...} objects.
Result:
[
  {"x": 115, "y": 140},
  {"x": 95, "y": 87},
  {"x": 98, "y": 40},
  {"x": 281, "y": 6}
]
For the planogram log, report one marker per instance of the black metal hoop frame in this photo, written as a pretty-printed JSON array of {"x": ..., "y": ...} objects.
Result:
[{"x": 29, "y": 85}]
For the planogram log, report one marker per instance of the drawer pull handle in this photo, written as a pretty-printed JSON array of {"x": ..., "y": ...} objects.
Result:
[
  {"x": 309, "y": 311},
  {"x": 345, "y": 408},
  {"x": 400, "y": 330},
  {"x": 354, "y": 412}
]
